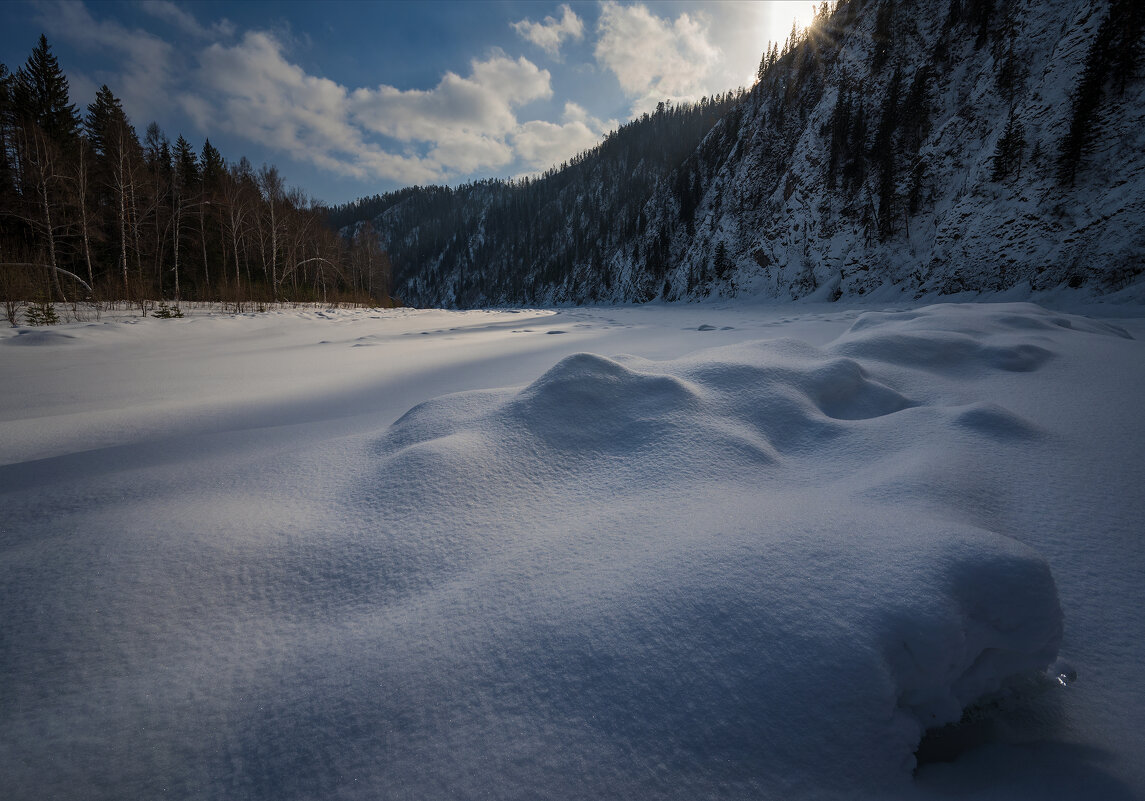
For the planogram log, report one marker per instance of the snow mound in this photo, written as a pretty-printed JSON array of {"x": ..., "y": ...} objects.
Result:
[
  {"x": 635, "y": 587},
  {"x": 985, "y": 320},
  {"x": 730, "y": 408},
  {"x": 960, "y": 338},
  {"x": 757, "y": 571},
  {"x": 38, "y": 336},
  {"x": 993, "y": 421}
]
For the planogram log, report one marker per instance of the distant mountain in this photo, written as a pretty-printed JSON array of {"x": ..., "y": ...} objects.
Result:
[{"x": 932, "y": 146}]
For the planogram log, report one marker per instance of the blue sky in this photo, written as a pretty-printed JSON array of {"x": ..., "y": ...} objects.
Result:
[{"x": 353, "y": 98}]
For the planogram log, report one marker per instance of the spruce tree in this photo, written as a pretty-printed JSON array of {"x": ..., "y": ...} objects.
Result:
[
  {"x": 105, "y": 117},
  {"x": 1008, "y": 153},
  {"x": 1127, "y": 47},
  {"x": 721, "y": 262},
  {"x": 1115, "y": 52},
  {"x": 41, "y": 96},
  {"x": 211, "y": 164},
  {"x": 883, "y": 37},
  {"x": 186, "y": 163},
  {"x": 884, "y": 153},
  {"x": 840, "y": 126},
  {"x": 7, "y": 175},
  {"x": 855, "y": 163}
]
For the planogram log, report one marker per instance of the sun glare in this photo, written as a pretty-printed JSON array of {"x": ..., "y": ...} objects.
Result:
[{"x": 780, "y": 13}]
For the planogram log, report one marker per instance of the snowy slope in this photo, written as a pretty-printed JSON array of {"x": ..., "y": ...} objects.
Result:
[
  {"x": 413, "y": 554},
  {"x": 791, "y": 231},
  {"x": 825, "y": 180}
]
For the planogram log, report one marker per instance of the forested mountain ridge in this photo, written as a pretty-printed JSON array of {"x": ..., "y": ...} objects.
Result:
[
  {"x": 513, "y": 242},
  {"x": 930, "y": 145}
]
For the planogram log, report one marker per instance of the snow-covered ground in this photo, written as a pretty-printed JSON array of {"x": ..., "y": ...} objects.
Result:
[{"x": 658, "y": 552}]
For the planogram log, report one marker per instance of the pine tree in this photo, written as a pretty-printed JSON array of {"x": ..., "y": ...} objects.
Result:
[
  {"x": 884, "y": 153},
  {"x": 41, "y": 96},
  {"x": 883, "y": 37},
  {"x": 979, "y": 12},
  {"x": 855, "y": 165},
  {"x": 7, "y": 174},
  {"x": 840, "y": 126},
  {"x": 116, "y": 149},
  {"x": 1128, "y": 41},
  {"x": 953, "y": 15},
  {"x": 1009, "y": 150},
  {"x": 721, "y": 262},
  {"x": 1008, "y": 153},
  {"x": 1108, "y": 46},
  {"x": 914, "y": 115},
  {"x": 104, "y": 115},
  {"x": 212, "y": 165},
  {"x": 186, "y": 164}
]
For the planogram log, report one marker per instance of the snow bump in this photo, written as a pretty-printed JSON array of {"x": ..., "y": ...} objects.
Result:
[{"x": 646, "y": 589}]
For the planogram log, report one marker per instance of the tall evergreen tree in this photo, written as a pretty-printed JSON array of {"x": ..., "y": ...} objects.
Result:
[
  {"x": 855, "y": 161},
  {"x": 1127, "y": 45},
  {"x": 1008, "y": 153},
  {"x": 840, "y": 127},
  {"x": 884, "y": 153},
  {"x": 41, "y": 96},
  {"x": 1115, "y": 51},
  {"x": 7, "y": 174},
  {"x": 211, "y": 165},
  {"x": 116, "y": 150},
  {"x": 186, "y": 164},
  {"x": 105, "y": 116},
  {"x": 883, "y": 37}
]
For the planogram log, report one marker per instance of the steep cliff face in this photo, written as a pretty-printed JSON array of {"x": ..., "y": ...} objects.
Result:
[
  {"x": 932, "y": 161},
  {"x": 926, "y": 146}
]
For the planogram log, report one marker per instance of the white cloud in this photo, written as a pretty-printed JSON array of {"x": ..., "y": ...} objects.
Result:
[
  {"x": 462, "y": 125},
  {"x": 467, "y": 119},
  {"x": 185, "y": 21},
  {"x": 549, "y": 35},
  {"x": 655, "y": 59},
  {"x": 251, "y": 90},
  {"x": 144, "y": 82},
  {"x": 543, "y": 144}
]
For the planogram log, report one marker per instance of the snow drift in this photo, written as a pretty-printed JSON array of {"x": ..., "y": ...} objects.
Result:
[
  {"x": 625, "y": 528},
  {"x": 758, "y": 570}
]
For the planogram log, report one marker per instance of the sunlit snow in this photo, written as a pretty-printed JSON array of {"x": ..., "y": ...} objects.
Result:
[{"x": 662, "y": 552}]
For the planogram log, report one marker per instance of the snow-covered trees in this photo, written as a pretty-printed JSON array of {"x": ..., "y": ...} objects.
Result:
[
  {"x": 1008, "y": 153},
  {"x": 1111, "y": 62}
]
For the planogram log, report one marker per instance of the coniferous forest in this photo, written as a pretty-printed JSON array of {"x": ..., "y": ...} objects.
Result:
[{"x": 89, "y": 211}]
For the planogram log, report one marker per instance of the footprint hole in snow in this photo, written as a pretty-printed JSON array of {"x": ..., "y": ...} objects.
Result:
[
  {"x": 977, "y": 727},
  {"x": 1028, "y": 709}
]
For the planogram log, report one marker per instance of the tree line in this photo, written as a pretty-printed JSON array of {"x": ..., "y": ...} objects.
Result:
[{"x": 88, "y": 211}]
